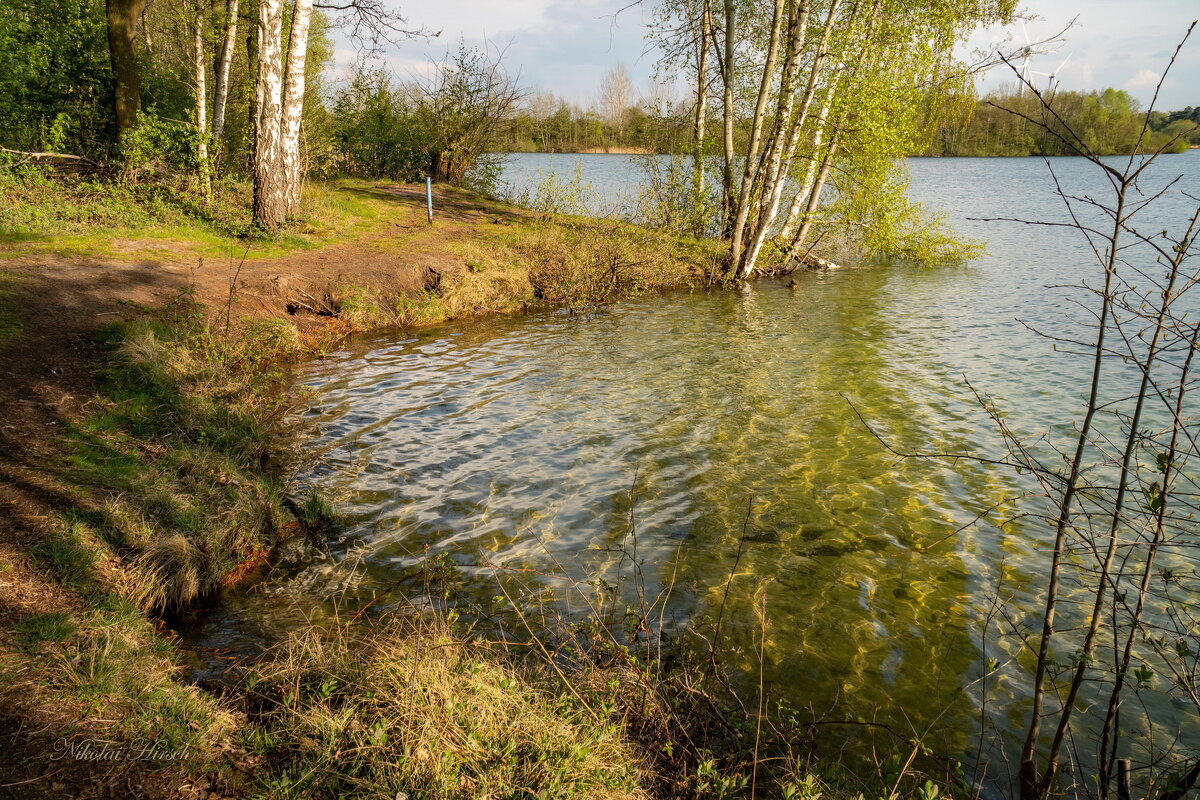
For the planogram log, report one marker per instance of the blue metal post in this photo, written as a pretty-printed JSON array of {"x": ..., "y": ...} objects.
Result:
[{"x": 429, "y": 198}]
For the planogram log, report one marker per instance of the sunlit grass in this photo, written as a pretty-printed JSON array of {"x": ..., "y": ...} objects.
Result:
[{"x": 40, "y": 213}]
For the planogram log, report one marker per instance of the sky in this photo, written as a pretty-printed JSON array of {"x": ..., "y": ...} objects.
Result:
[{"x": 567, "y": 46}]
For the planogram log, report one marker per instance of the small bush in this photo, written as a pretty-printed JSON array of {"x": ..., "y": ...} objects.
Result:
[{"x": 671, "y": 202}]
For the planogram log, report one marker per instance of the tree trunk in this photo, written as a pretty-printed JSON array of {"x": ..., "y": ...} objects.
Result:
[
  {"x": 224, "y": 63},
  {"x": 727, "y": 79},
  {"x": 800, "y": 200},
  {"x": 816, "y": 177},
  {"x": 785, "y": 130},
  {"x": 779, "y": 169},
  {"x": 750, "y": 168},
  {"x": 701, "y": 97},
  {"x": 270, "y": 201},
  {"x": 201, "y": 80},
  {"x": 293, "y": 104},
  {"x": 814, "y": 195},
  {"x": 122, "y": 18},
  {"x": 252, "y": 100}
]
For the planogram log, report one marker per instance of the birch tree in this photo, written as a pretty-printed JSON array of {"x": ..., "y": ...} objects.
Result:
[
  {"x": 199, "y": 73},
  {"x": 804, "y": 85},
  {"x": 270, "y": 190},
  {"x": 703, "y": 45},
  {"x": 293, "y": 105},
  {"x": 279, "y": 92},
  {"x": 221, "y": 76}
]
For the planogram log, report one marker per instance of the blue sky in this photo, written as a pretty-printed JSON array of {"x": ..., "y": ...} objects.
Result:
[{"x": 567, "y": 46}]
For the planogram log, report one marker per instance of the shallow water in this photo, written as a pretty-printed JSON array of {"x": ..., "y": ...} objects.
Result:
[{"x": 730, "y": 427}]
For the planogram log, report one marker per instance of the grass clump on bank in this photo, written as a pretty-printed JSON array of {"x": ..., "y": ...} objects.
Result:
[
  {"x": 184, "y": 450},
  {"x": 105, "y": 688},
  {"x": 531, "y": 262},
  {"x": 423, "y": 713}
]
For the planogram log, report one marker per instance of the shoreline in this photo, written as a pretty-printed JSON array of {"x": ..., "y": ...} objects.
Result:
[
  {"x": 147, "y": 467},
  {"x": 165, "y": 405}
]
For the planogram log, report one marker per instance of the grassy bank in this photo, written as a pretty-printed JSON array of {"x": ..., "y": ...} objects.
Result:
[
  {"x": 168, "y": 481},
  {"x": 82, "y": 216}
]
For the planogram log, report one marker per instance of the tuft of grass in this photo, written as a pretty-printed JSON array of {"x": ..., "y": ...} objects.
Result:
[
  {"x": 422, "y": 713},
  {"x": 362, "y": 307},
  {"x": 53, "y": 626},
  {"x": 317, "y": 513},
  {"x": 71, "y": 552},
  {"x": 184, "y": 449}
]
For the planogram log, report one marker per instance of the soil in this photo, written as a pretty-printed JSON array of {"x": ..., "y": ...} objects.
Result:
[{"x": 48, "y": 372}]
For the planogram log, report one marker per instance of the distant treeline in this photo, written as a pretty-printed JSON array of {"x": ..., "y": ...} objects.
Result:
[
  {"x": 546, "y": 123},
  {"x": 1109, "y": 122}
]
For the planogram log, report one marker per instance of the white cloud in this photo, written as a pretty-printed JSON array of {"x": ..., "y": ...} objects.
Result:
[
  {"x": 1145, "y": 79},
  {"x": 1087, "y": 75}
]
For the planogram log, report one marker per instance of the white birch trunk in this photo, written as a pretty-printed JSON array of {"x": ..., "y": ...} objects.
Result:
[
  {"x": 224, "y": 63},
  {"x": 293, "y": 105},
  {"x": 800, "y": 200},
  {"x": 780, "y": 170},
  {"x": 702, "y": 96},
  {"x": 814, "y": 196},
  {"x": 201, "y": 81},
  {"x": 750, "y": 169},
  {"x": 807, "y": 200},
  {"x": 727, "y": 80},
  {"x": 784, "y": 123},
  {"x": 270, "y": 204}
]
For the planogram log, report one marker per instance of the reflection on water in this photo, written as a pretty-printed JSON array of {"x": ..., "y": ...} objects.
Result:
[{"x": 517, "y": 441}]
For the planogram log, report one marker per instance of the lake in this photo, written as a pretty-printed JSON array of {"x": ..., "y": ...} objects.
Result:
[{"x": 729, "y": 426}]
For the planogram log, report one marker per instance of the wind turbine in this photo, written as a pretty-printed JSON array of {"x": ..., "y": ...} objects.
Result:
[
  {"x": 1028, "y": 52},
  {"x": 1050, "y": 84}
]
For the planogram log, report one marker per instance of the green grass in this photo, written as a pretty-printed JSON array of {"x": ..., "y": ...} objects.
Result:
[
  {"x": 81, "y": 217},
  {"x": 109, "y": 664},
  {"x": 54, "y": 626},
  {"x": 70, "y": 552},
  {"x": 317, "y": 513},
  {"x": 421, "y": 713},
  {"x": 182, "y": 455}
]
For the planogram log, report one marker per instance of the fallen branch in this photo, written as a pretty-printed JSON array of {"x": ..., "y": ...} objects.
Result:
[{"x": 28, "y": 156}]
